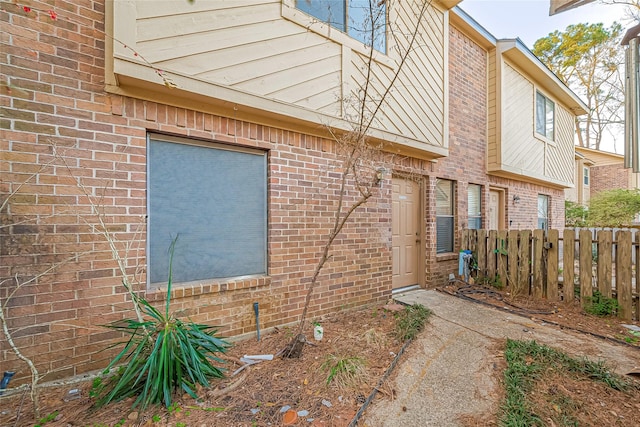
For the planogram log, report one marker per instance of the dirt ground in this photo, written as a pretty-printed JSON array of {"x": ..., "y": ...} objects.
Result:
[{"x": 260, "y": 395}]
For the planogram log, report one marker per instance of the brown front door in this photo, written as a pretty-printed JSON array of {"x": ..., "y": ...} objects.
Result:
[{"x": 405, "y": 232}]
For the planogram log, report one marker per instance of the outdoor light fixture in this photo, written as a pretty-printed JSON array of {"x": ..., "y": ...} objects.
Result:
[{"x": 516, "y": 199}]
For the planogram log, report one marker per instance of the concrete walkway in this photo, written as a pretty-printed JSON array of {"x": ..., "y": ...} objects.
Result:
[{"x": 453, "y": 368}]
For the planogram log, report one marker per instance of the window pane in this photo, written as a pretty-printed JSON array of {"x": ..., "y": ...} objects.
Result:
[
  {"x": 543, "y": 211},
  {"x": 550, "y": 110},
  {"x": 444, "y": 232},
  {"x": 474, "y": 199},
  {"x": 586, "y": 175},
  {"x": 361, "y": 19},
  {"x": 354, "y": 17},
  {"x": 214, "y": 200},
  {"x": 540, "y": 114},
  {"x": 329, "y": 11},
  {"x": 444, "y": 199}
]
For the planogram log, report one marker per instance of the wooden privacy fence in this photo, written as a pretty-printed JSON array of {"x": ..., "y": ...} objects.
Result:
[{"x": 555, "y": 265}]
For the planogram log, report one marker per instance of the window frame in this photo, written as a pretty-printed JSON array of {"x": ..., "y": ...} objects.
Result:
[
  {"x": 298, "y": 16},
  {"x": 586, "y": 176},
  {"x": 259, "y": 264},
  {"x": 451, "y": 216},
  {"x": 476, "y": 216},
  {"x": 547, "y": 101}
]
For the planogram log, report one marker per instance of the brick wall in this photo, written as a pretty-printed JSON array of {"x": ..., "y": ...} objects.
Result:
[
  {"x": 72, "y": 151},
  {"x": 609, "y": 177}
]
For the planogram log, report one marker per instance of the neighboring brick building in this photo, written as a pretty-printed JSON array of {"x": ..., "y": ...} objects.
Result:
[
  {"x": 604, "y": 171},
  {"x": 100, "y": 152}
]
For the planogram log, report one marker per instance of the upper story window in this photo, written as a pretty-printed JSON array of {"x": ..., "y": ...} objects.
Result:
[
  {"x": 545, "y": 116},
  {"x": 353, "y": 17},
  {"x": 585, "y": 176}
]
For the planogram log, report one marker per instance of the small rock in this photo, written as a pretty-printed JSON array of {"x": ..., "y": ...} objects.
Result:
[
  {"x": 303, "y": 413},
  {"x": 133, "y": 416},
  {"x": 340, "y": 398},
  {"x": 326, "y": 403},
  {"x": 310, "y": 420},
  {"x": 284, "y": 409},
  {"x": 255, "y": 410}
]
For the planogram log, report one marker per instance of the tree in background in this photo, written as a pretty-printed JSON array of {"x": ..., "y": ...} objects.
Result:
[
  {"x": 632, "y": 11},
  {"x": 575, "y": 215},
  {"x": 588, "y": 59},
  {"x": 613, "y": 208}
]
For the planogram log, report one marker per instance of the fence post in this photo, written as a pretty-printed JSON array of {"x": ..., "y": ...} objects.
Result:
[
  {"x": 586, "y": 266},
  {"x": 491, "y": 254},
  {"x": 524, "y": 262},
  {"x": 552, "y": 265},
  {"x": 623, "y": 274},
  {"x": 605, "y": 238},
  {"x": 568, "y": 269},
  {"x": 538, "y": 239},
  {"x": 512, "y": 247},
  {"x": 501, "y": 245}
]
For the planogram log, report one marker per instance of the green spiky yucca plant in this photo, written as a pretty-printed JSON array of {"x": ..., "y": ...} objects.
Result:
[{"x": 163, "y": 355}]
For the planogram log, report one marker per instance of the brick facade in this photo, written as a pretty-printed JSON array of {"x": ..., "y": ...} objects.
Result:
[
  {"x": 74, "y": 155},
  {"x": 609, "y": 177}
]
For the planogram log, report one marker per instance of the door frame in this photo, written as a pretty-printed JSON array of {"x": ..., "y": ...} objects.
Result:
[
  {"x": 422, "y": 252},
  {"x": 502, "y": 223}
]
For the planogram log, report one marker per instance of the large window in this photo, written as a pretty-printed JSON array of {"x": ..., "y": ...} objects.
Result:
[
  {"x": 474, "y": 200},
  {"x": 353, "y": 17},
  {"x": 545, "y": 116},
  {"x": 444, "y": 216},
  {"x": 543, "y": 211},
  {"x": 213, "y": 199}
]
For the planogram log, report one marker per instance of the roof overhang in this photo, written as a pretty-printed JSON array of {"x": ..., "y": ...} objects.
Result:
[
  {"x": 559, "y": 6},
  {"x": 515, "y": 51},
  {"x": 447, "y": 4}
]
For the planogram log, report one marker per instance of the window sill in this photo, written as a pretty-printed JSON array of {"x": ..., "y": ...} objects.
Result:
[
  {"x": 446, "y": 256},
  {"x": 544, "y": 139},
  {"x": 204, "y": 287}
]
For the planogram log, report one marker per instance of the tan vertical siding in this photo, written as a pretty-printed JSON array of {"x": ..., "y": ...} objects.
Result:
[
  {"x": 520, "y": 150},
  {"x": 558, "y": 162}
]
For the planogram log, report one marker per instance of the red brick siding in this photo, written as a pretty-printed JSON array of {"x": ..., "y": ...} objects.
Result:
[
  {"x": 56, "y": 102},
  {"x": 609, "y": 177}
]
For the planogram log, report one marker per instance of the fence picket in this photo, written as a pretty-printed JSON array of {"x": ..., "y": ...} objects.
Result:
[
  {"x": 524, "y": 263},
  {"x": 538, "y": 240},
  {"x": 586, "y": 266},
  {"x": 482, "y": 253},
  {"x": 491, "y": 254},
  {"x": 501, "y": 246},
  {"x": 552, "y": 265},
  {"x": 512, "y": 247},
  {"x": 568, "y": 269},
  {"x": 623, "y": 274},
  {"x": 605, "y": 238}
]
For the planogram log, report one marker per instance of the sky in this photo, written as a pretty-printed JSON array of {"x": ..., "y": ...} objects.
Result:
[{"x": 529, "y": 19}]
